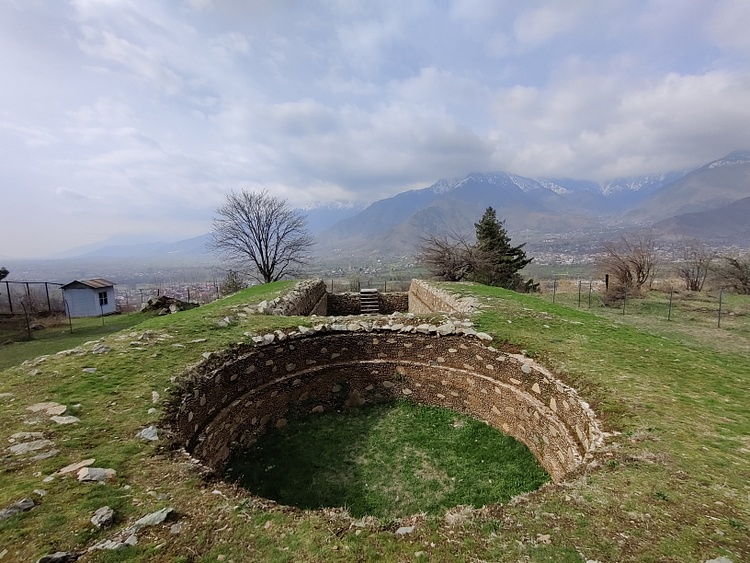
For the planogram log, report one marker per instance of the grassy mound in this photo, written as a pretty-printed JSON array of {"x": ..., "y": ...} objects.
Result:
[
  {"x": 388, "y": 460},
  {"x": 671, "y": 483}
]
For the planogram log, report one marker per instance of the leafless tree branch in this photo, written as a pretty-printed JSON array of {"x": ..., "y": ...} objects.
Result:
[
  {"x": 695, "y": 264},
  {"x": 632, "y": 260},
  {"x": 261, "y": 230}
]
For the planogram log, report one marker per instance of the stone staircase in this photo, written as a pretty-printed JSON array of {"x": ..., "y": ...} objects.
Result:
[{"x": 368, "y": 301}]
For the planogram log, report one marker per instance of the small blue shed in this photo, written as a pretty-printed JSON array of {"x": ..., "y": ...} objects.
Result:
[{"x": 89, "y": 298}]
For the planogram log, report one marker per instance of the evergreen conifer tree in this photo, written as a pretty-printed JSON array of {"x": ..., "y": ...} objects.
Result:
[{"x": 500, "y": 262}]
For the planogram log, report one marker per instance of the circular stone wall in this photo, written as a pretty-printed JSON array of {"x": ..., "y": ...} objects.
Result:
[{"x": 227, "y": 401}]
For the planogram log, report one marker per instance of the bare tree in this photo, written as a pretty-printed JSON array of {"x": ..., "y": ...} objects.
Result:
[
  {"x": 448, "y": 258},
  {"x": 263, "y": 231},
  {"x": 734, "y": 273},
  {"x": 631, "y": 260},
  {"x": 4, "y": 273},
  {"x": 695, "y": 264}
]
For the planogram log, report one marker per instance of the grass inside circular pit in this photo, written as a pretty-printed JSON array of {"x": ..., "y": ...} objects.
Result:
[{"x": 388, "y": 460}]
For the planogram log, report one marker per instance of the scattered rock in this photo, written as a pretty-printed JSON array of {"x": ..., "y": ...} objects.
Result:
[
  {"x": 26, "y": 447},
  {"x": 96, "y": 475},
  {"x": 175, "y": 528},
  {"x": 721, "y": 559},
  {"x": 89, "y": 370},
  {"x": 44, "y": 455},
  {"x": 164, "y": 305},
  {"x": 151, "y": 519},
  {"x": 40, "y": 492},
  {"x": 103, "y": 517},
  {"x": 150, "y": 433},
  {"x": 23, "y": 436},
  {"x": 49, "y": 408},
  {"x": 75, "y": 467},
  {"x": 154, "y": 397},
  {"x": 100, "y": 349},
  {"x": 404, "y": 530},
  {"x": 446, "y": 329},
  {"x": 59, "y": 557},
  {"x": 65, "y": 419},
  {"x": 16, "y": 508}
]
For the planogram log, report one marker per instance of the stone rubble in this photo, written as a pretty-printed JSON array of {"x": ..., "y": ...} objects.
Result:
[
  {"x": 103, "y": 517},
  {"x": 128, "y": 536},
  {"x": 16, "y": 508},
  {"x": 59, "y": 557},
  {"x": 150, "y": 434},
  {"x": 96, "y": 474},
  {"x": 65, "y": 419}
]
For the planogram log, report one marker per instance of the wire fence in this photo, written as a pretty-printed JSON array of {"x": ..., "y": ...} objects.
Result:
[
  {"x": 343, "y": 285},
  {"x": 30, "y": 297},
  {"x": 666, "y": 300}
]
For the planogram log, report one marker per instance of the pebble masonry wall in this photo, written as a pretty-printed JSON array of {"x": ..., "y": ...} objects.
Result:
[{"x": 227, "y": 401}]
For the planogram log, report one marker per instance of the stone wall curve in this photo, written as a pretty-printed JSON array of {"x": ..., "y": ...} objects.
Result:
[{"x": 226, "y": 402}]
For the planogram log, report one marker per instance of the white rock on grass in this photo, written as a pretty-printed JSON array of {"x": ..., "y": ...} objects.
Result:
[
  {"x": 103, "y": 517},
  {"x": 150, "y": 433},
  {"x": 96, "y": 474},
  {"x": 75, "y": 467},
  {"x": 26, "y": 447},
  {"x": 50, "y": 408},
  {"x": 65, "y": 419}
]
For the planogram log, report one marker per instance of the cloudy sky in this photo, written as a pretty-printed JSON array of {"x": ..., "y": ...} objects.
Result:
[{"x": 136, "y": 117}]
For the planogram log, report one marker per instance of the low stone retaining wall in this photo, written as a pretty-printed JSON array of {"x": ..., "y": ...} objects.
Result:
[
  {"x": 426, "y": 298},
  {"x": 227, "y": 401},
  {"x": 394, "y": 302},
  {"x": 343, "y": 304},
  {"x": 306, "y": 297}
]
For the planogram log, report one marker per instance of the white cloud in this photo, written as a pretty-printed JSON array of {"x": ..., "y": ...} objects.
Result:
[
  {"x": 728, "y": 26},
  {"x": 135, "y": 102},
  {"x": 143, "y": 63},
  {"x": 539, "y": 25}
]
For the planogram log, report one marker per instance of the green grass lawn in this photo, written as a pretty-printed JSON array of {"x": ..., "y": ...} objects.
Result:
[
  {"x": 59, "y": 336},
  {"x": 670, "y": 484},
  {"x": 388, "y": 460}
]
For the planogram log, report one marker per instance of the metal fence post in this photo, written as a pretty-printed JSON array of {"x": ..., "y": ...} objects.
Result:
[
  {"x": 669, "y": 315},
  {"x": 10, "y": 299},
  {"x": 579, "y": 294},
  {"x": 589, "y": 295},
  {"x": 554, "y": 289}
]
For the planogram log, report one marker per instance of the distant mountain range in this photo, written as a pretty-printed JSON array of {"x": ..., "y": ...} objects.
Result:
[
  {"x": 541, "y": 207},
  {"x": 710, "y": 202}
]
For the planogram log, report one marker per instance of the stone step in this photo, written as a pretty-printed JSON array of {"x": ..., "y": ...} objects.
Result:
[{"x": 368, "y": 301}]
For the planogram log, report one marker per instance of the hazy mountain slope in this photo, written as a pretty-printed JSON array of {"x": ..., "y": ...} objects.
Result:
[
  {"x": 728, "y": 224},
  {"x": 192, "y": 247},
  {"x": 325, "y": 215},
  {"x": 709, "y": 187}
]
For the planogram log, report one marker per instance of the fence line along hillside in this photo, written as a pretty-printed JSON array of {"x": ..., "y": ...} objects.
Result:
[
  {"x": 708, "y": 314},
  {"x": 27, "y": 297}
]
